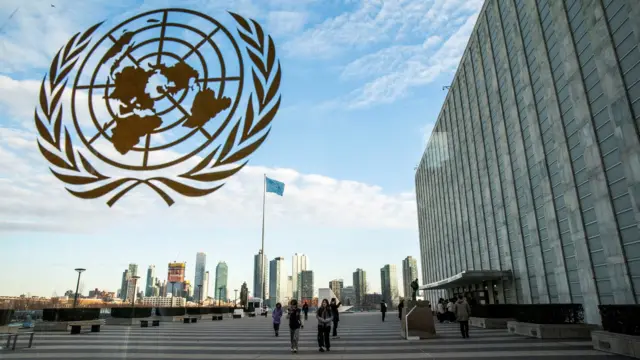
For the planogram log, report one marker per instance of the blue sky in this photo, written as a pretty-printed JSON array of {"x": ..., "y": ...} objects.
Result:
[{"x": 362, "y": 85}]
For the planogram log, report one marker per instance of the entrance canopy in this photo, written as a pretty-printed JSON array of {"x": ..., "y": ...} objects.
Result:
[{"x": 467, "y": 277}]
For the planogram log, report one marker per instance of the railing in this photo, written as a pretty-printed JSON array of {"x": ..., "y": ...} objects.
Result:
[{"x": 406, "y": 322}]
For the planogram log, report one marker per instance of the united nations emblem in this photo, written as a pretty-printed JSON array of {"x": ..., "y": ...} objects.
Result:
[{"x": 154, "y": 101}]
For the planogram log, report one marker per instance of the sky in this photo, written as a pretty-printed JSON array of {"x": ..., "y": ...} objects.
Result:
[{"x": 361, "y": 86}]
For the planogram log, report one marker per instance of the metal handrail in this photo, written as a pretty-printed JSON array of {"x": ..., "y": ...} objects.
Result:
[{"x": 406, "y": 322}]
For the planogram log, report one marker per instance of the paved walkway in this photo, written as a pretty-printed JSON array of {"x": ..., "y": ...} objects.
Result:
[{"x": 362, "y": 336}]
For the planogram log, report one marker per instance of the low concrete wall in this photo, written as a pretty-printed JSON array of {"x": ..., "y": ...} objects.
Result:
[
  {"x": 9, "y": 329},
  {"x": 489, "y": 323},
  {"x": 169, "y": 318},
  {"x": 63, "y": 325},
  {"x": 127, "y": 321},
  {"x": 551, "y": 331},
  {"x": 620, "y": 344}
]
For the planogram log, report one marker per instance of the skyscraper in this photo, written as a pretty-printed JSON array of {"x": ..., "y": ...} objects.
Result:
[
  {"x": 151, "y": 281},
  {"x": 124, "y": 284},
  {"x": 126, "y": 276},
  {"x": 175, "y": 278},
  {"x": 306, "y": 286},
  {"x": 278, "y": 281},
  {"x": 133, "y": 270},
  {"x": 348, "y": 296},
  {"x": 409, "y": 273},
  {"x": 298, "y": 265},
  {"x": 244, "y": 294},
  {"x": 260, "y": 275},
  {"x": 336, "y": 286},
  {"x": 359, "y": 285},
  {"x": 289, "y": 288},
  {"x": 222, "y": 274},
  {"x": 205, "y": 287},
  {"x": 389, "y": 284},
  {"x": 201, "y": 264}
]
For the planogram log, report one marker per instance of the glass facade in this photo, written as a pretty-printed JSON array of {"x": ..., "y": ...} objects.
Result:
[{"x": 534, "y": 163}]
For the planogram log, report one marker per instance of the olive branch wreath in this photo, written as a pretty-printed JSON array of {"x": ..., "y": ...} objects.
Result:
[{"x": 262, "y": 53}]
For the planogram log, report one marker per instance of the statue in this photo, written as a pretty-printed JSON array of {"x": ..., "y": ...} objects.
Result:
[{"x": 414, "y": 287}]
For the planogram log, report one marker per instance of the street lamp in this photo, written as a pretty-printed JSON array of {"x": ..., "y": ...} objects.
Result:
[
  {"x": 75, "y": 298},
  {"x": 135, "y": 292},
  {"x": 235, "y": 301},
  {"x": 200, "y": 294}
]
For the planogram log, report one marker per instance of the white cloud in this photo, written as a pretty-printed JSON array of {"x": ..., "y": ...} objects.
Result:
[
  {"x": 404, "y": 67},
  {"x": 36, "y": 32},
  {"x": 415, "y": 42},
  {"x": 377, "y": 22},
  {"x": 34, "y": 199},
  {"x": 285, "y": 22}
]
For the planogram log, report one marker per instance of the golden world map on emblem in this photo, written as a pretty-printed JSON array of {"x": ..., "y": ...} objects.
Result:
[{"x": 158, "y": 89}]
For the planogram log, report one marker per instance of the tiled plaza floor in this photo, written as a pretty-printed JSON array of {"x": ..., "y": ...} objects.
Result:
[{"x": 362, "y": 336}]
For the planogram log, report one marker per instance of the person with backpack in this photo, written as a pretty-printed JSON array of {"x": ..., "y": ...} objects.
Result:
[
  {"x": 295, "y": 322},
  {"x": 276, "y": 315},
  {"x": 336, "y": 315},
  {"x": 325, "y": 319}
]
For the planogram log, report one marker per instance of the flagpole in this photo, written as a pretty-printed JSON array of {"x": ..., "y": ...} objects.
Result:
[{"x": 262, "y": 260}]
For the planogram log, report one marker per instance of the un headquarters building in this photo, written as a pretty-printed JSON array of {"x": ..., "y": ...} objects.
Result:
[{"x": 529, "y": 188}]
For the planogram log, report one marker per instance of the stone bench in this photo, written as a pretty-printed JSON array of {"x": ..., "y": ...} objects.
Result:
[
  {"x": 145, "y": 323},
  {"x": 77, "y": 326},
  {"x": 489, "y": 323},
  {"x": 11, "y": 345},
  {"x": 191, "y": 319},
  {"x": 216, "y": 317},
  {"x": 551, "y": 331},
  {"x": 621, "y": 344}
]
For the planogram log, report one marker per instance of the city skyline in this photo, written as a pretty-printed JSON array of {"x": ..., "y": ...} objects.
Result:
[{"x": 152, "y": 274}]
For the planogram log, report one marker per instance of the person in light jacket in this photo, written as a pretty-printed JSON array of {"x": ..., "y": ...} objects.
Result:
[
  {"x": 462, "y": 311},
  {"x": 277, "y": 315},
  {"x": 325, "y": 318}
]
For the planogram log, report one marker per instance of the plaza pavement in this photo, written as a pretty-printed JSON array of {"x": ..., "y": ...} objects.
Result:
[{"x": 362, "y": 336}]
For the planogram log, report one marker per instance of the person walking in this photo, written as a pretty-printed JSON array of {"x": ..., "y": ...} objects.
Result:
[
  {"x": 277, "y": 315},
  {"x": 305, "y": 310},
  {"x": 324, "y": 325},
  {"x": 441, "y": 310},
  {"x": 383, "y": 309},
  {"x": 451, "y": 317},
  {"x": 400, "y": 307},
  {"x": 463, "y": 312},
  {"x": 293, "y": 314},
  {"x": 336, "y": 315}
]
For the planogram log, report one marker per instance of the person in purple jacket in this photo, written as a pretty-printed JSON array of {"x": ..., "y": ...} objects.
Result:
[{"x": 276, "y": 315}]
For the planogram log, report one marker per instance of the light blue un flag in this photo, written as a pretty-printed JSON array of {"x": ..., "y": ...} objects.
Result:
[{"x": 275, "y": 186}]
